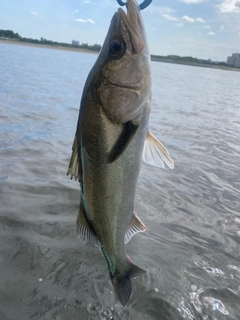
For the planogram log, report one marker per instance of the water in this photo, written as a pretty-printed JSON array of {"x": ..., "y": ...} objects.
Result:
[{"x": 191, "y": 249}]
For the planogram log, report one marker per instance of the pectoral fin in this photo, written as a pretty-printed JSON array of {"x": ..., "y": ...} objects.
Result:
[
  {"x": 74, "y": 168},
  {"x": 136, "y": 226},
  {"x": 155, "y": 154},
  {"x": 84, "y": 230},
  {"x": 124, "y": 139}
]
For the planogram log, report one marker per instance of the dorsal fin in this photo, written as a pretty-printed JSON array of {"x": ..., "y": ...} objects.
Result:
[
  {"x": 74, "y": 168},
  {"x": 84, "y": 229},
  {"x": 155, "y": 154},
  {"x": 124, "y": 139},
  {"x": 136, "y": 225}
]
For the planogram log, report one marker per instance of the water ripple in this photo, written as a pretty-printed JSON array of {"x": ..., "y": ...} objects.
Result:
[{"x": 191, "y": 249}]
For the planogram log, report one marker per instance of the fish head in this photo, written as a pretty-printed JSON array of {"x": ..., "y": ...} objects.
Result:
[{"x": 124, "y": 75}]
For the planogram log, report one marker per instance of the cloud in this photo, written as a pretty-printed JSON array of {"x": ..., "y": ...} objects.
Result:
[
  {"x": 222, "y": 27},
  {"x": 200, "y": 20},
  {"x": 34, "y": 13},
  {"x": 85, "y": 21},
  {"x": 192, "y": 1},
  {"x": 207, "y": 27},
  {"x": 169, "y": 17},
  {"x": 229, "y": 6},
  {"x": 75, "y": 11},
  {"x": 87, "y": 1},
  {"x": 239, "y": 34},
  {"x": 188, "y": 19},
  {"x": 210, "y": 33}
]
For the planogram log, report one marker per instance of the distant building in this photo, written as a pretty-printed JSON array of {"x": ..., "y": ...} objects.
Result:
[
  {"x": 205, "y": 61},
  {"x": 234, "y": 60},
  {"x": 75, "y": 43}
]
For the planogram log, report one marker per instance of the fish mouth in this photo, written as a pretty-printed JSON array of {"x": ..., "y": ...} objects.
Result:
[{"x": 135, "y": 26}]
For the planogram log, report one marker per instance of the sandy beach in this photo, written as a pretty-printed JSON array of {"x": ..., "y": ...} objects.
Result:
[
  {"x": 46, "y": 46},
  {"x": 195, "y": 64}
]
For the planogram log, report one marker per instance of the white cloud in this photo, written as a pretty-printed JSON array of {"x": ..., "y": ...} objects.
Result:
[
  {"x": 169, "y": 17},
  {"x": 188, "y": 19},
  {"x": 239, "y": 34},
  {"x": 84, "y": 21},
  {"x": 210, "y": 33},
  {"x": 222, "y": 27},
  {"x": 75, "y": 11},
  {"x": 229, "y": 6},
  {"x": 200, "y": 20},
  {"x": 34, "y": 13},
  {"x": 87, "y": 1},
  {"x": 192, "y": 1},
  {"x": 207, "y": 27}
]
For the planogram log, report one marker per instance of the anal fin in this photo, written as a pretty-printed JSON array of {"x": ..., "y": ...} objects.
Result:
[
  {"x": 84, "y": 230},
  {"x": 135, "y": 226},
  {"x": 155, "y": 154}
]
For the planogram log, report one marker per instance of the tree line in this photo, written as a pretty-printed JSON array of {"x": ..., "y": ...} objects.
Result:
[
  {"x": 96, "y": 47},
  {"x": 15, "y": 36}
]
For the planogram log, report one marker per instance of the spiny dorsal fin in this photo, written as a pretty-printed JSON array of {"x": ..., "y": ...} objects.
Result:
[
  {"x": 74, "y": 164},
  {"x": 135, "y": 226},
  {"x": 84, "y": 229},
  {"x": 124, "y": 139},
  {"x": 155, "y": 154}
]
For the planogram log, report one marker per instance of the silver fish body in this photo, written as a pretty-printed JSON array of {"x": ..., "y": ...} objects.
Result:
[{"x": 108, "y": 146}]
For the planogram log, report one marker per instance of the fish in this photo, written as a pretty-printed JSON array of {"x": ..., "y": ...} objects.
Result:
[{"x": 112, "y": 138}]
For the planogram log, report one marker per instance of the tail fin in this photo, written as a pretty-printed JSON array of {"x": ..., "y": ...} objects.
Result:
[{"x": 122, "y": 283}]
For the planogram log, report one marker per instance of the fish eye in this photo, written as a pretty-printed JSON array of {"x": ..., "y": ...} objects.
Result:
[{"x": 117, "y": 48}]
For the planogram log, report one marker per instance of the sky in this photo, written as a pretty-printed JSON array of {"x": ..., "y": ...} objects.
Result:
[{"x": 206, "y": 29}]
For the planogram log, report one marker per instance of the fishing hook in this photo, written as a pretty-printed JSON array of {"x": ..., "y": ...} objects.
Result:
[{"x": 142, "y": 6}]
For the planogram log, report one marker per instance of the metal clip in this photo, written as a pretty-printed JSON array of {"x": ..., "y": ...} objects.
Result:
[{"x": 142, "y": 6}]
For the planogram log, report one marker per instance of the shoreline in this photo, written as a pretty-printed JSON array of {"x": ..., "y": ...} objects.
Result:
[
  {"x": 58, "y": 47},
  {"x": 46, "y": 46},
  {"x": 195, "y": 64}
]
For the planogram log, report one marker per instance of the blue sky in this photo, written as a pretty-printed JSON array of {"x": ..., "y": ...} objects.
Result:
[{"x": 199, "y": 28}]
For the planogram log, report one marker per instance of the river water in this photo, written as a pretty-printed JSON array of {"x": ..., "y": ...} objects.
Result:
[{"x": 191, "y": 247}]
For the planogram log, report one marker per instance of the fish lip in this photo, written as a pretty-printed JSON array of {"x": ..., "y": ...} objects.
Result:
[
  {"x": 132, "y": 8},
  {"x": 133, "y": 11},
  {"x": 135, "y": 26}
]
